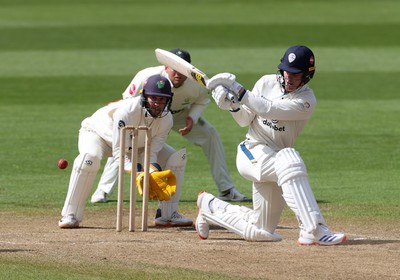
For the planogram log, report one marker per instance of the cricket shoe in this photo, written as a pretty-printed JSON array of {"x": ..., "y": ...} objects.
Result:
[
  {"x": 176, "y": 220},
  {"x": 233, "y": 195},
  {"x": 321, "y": 236},
  {"x": 208, "y": 204},
  {"x": 201, "y": 224},
  {"x": 68, "y": 221},
  {"x": 99, "y": 196},
  {"x": 202, "y": 227}
]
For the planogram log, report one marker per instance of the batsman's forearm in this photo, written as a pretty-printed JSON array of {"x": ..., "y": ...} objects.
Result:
[
  {"x": 243, "y": 117},
  {"x": 259, "y": 105}
]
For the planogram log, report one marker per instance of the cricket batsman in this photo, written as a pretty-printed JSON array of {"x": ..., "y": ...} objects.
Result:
[{"x": 275, "y": 111}]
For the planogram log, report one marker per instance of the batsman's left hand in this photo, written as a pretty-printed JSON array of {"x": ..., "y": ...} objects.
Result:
[
  {"x": 162, "y": 185},
  {"x": 221, "y": 79},
  {"x": 227, "y": 80},
  {"x": 219, "y": 95}
]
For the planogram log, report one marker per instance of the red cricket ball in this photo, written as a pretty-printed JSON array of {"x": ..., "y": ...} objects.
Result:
[{"x": 62, "y": 163}]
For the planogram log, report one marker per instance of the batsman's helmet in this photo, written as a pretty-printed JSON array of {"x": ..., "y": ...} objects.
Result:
[
  {"x": 298, "y": 59},
  {"x": 182, "y": 54},
  {"x": 157, "y": 85}
]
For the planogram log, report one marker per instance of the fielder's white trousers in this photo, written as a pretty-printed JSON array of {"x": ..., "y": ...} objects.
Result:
[{"x": 205, "y": 135}]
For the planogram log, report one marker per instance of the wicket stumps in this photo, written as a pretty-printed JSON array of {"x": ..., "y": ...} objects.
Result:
[{"x": 134, "y": 158}]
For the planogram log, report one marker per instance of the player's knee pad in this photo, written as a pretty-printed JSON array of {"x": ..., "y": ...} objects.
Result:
[
  {"x": 289, "y": 165},
  {"x": 177, "y": 160},
  {"x": 87, "y": 163},
  {"x": 177, "y": 164},
  {"x": 81, "y": 180}
]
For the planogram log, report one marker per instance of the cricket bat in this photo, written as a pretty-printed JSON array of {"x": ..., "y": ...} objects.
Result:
[
  {"x": 182, "y": 66},
  {"x": 185, "y": 68}
]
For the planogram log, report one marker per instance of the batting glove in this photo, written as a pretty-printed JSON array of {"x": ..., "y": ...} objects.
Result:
[
  {"x": 227, "y": 80},
  {"x": 225, "y": 100},
  {"x": 234, "y": 100},
  {"x": 219, "y": 94}
]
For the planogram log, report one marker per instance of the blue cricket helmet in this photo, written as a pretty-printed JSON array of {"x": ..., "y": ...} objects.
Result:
[{"x": 298, "y": 59}]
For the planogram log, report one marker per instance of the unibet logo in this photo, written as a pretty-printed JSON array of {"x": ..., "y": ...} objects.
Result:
[{"x": 273, "y": 126}]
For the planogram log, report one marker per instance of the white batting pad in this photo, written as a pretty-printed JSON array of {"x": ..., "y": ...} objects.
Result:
[
  {"x": 293, "y": 178},
  {"x": 82, "y": 178},
  {"x": 237, "y": 219},
  {"x": 177, "y": 164}
]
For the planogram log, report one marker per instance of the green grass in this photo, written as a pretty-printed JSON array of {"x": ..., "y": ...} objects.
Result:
[
  {"x": 61, "y": 60},
  {"x": 38, "y": 270}
]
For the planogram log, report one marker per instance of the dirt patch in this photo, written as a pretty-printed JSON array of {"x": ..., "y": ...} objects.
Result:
[{"x": 371, "y": 252}]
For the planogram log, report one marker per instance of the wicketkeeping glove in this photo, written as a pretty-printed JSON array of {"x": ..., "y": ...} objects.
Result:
[{"x": 162, "y": 185}]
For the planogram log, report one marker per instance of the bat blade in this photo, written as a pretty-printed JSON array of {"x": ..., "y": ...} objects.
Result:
[
  {"x": 182, "y": 66},
  {"x": 185, "y": 68}
]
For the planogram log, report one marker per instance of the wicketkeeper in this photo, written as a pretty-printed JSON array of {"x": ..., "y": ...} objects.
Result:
[
  {"x": 99, "y": 138},
  {"x": 276, "y": 111}
]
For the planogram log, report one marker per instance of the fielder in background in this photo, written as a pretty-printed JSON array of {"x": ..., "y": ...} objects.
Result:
[
  {"x": 276, "y": 111},
  {"x": 99, "y": 138},
  {"x": 190, "y": 100}
]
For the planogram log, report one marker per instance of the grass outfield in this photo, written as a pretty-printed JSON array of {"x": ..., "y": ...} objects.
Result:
[{"x": 62, "y": 60}]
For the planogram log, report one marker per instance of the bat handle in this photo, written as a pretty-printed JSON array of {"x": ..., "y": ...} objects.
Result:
[{"x": 233, "y": 97}]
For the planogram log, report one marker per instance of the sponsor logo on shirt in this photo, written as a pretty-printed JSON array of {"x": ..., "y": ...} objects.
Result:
[
  {"x": 272, "y": 124},
  {"x": 186, "y": 102}
]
